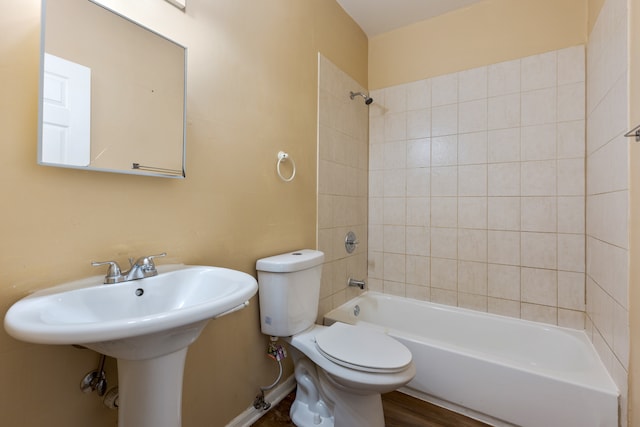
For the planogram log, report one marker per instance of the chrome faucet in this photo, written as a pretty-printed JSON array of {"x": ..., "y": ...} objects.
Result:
[
  {"x": 143, "y": 267},
  {"x": 357, "y": 283}
]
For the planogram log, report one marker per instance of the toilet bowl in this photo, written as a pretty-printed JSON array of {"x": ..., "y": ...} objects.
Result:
[
  {"x": 345, "y": 369},
  {"x": 341, "y": 369}
]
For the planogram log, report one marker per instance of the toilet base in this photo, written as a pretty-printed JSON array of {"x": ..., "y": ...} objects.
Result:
[
  {"x": 321, "y": 402},
  {"x": 303, "y": 416},
  {"x": 309, "y": 408}
]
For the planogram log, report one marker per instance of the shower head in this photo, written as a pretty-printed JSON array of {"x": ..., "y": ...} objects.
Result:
[{"x": 367, "y": 99}]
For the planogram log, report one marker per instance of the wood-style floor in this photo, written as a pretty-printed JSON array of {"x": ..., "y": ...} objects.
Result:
[{"x": 400, "y": 410}]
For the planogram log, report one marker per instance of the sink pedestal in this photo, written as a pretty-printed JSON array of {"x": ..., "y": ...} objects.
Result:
[{"x": 150, "y": 391}]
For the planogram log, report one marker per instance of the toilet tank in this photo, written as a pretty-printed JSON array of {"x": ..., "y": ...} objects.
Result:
[{"x": 289, "y": 291}]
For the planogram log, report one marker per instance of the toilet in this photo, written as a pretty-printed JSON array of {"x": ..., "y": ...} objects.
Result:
[{"x": 341, "y": 370}]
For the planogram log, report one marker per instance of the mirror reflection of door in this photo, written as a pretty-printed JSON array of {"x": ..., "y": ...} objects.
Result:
[
  {"x": 134, "y": 113},
  {"x": 66, "y": 112}
]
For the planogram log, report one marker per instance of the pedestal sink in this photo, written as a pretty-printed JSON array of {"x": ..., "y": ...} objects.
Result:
[{"x": 146, "y": 324}]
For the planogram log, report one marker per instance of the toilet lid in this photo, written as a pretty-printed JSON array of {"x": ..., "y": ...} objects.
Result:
[{"x": 362, "y": 349}]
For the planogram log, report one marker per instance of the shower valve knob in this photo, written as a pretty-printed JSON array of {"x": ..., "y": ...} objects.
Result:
[{"x": 351, "y": 242}]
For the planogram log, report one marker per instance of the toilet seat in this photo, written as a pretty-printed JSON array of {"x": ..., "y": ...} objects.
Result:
[{"x": 362, "y": 349}]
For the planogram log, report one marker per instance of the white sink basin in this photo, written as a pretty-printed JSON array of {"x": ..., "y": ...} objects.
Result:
[
  {"x": 146, "y": 324},
  {"x": 125, "y": 319}
]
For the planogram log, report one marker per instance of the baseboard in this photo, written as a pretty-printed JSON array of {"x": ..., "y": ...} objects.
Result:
[{"x": 251, "y": 414}]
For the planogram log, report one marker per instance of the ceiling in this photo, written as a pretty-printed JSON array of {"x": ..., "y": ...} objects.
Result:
[{"x": 379, "y": 16}]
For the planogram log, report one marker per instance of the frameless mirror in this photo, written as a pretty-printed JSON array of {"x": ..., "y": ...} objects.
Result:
[{"x": 112, "y": 93}]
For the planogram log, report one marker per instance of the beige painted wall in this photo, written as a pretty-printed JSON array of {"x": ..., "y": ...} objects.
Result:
[
  {"x": 252, "y": 91},
  {"x": 484, "y": 33}
]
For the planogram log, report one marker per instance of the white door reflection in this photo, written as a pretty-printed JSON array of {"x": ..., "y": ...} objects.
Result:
[{"x": 66, "y": 112}]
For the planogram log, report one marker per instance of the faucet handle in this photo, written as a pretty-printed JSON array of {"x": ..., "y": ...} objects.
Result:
[
  {"x": 114, "y": 275},
  {"x": 151, "y": 257},
  {"x": 146, "y": 262}
]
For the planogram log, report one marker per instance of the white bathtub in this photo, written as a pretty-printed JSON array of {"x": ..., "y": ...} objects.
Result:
[{"x": 500, "y": 370}]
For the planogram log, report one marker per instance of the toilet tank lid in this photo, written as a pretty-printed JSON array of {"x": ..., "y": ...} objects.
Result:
[{"x": 291, "y": 261}]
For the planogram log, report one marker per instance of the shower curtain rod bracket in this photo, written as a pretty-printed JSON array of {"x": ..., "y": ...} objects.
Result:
[{"x": 635, "y": 132}]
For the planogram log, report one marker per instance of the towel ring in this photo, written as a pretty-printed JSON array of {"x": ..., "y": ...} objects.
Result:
[{"x": 282, "y": 156}]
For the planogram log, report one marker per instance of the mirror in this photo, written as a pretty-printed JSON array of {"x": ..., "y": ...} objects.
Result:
[{"x": 112, "y": 93}]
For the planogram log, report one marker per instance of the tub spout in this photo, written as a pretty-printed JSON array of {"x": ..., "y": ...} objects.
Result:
[{"x": 359, "y": 283}]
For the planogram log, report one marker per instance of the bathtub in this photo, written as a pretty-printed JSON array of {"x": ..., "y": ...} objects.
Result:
[{"x": 500, "y": 370}]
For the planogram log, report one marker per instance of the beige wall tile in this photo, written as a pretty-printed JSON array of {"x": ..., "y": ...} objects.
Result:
[
  {"x": 444, "y": 120},
  {"x": 540, "y": 286},
  {"x": 571, "y": 65},
  {"x": 504, "y": 282},
  {"x": 539, "y": 107},
  {"x": 444, "y": 150},
  {"x": 571, "y": 290},
  {"x": 504, "y": 179},
  {"x": 472, "y": 278},
  {"x": 444, "y": 274},
  {"x": 419, "y": 153},
  {"x": 504, "y": 78},
  {"x": 539, "y": 313},
  {"x": 418, "y": 270},
  {"x": 472, "y": 245},
  {"x": 395, "y": 99},
  {"x": 418, "y": 211},
  {"x": 571, "y": 319},
  {"x": 343, "y": 202},
  {"x": 503, "y": 247},
  {"x": 472, "y": 212},
  {"x": 504, "y": 145},
  {"x": 571, "y": 101},
  {"x": 418, "y": 241},
  {"x": 444, "y": 89},
  {"x": 419, "y": 123},
  {"x": 539, "y": 250},
  {"x": 504, "y": 213},
  {"x": 472, "y": 116},
  {"x": 504, "y": 111},
  {"x": 420, "y": 293},
  {"x": 571, "y": 139},
  {"x": 472, "y": 180},
  {"x": 472, "y": 301},
  {"x": 571, "y": 214},
  {"x": 472, "y": 148},
  {"x": 539, "y": 71},
  {"x": 444, "y": 181},
  {"x": 503, "y": 307},
  {"x": 394, "y": 267},
  {"x": 539, "y": 178},
  {"x": 418, "y": 95},
  {"x": 539, "y": 142},
  {"x": 444, "y": 211},
  {"x": 491, "y": 171},
  {"x": 571, "y": 252},
  {"x": 443, "y": 296},
  {"x": 539, "y": 214},
  {"x": 473, "y": 84},
  {"x": 444, "y": 242}
]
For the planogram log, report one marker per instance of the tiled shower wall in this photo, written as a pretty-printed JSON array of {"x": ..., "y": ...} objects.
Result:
[
  {"x": 342, "y": 182},
  {"x": 608, "y": 192},
  {"x": 477, "y": 188}
]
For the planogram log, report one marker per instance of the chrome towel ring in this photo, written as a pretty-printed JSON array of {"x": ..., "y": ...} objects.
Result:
[{"x": 282, "y": 156}]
